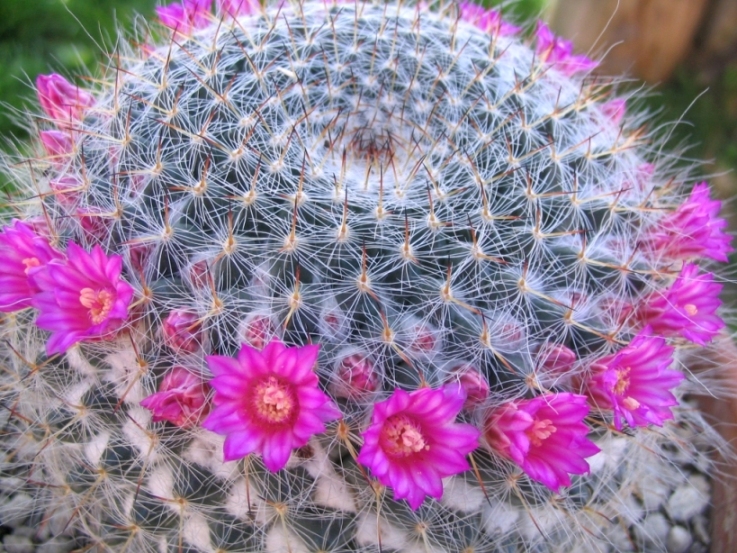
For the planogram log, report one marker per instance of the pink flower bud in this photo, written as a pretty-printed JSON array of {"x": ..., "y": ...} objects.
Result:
[
  {"x": 139, "y": 254},
  {"x": 355, "y": 377},
  {"x": 421, "y": 338},
  {"x": 615, "y": 109},
  {"x": 56, "y": 143},
  {"x": 556, "y": 358},
  {"x": 555, "y": 51},
  {"x": 258, "y": 330},
  {"x": 474, "y": 384},
  {"x": 489, "y": 21},
  {"x": 198, "y": 274},
  {"x": 186, "y": 16},
  {"x": 183, "y": 331},
  {"x": 94, "y": 222},
  {"x": 333, "y": 323},
  {"x": 66, "y": 190},
  {"x": 181, "y": 399},
  {"x": 234, "y": 8},
  {"x": 61, "y": 100}
]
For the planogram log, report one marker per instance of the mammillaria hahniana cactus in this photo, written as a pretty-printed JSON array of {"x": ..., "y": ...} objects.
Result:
[{"x": 337, "y": 276}]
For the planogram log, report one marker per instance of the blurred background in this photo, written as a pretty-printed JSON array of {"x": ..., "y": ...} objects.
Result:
[{"x": 685, "y": 51}]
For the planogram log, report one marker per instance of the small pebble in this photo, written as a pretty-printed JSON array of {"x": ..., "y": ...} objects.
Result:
[
  {"x": 58, "y": 545},
  {"x": 653, "y": 529},
  {"x": 654, "y": 493},
  {"x": 679, "y": 540},
  {"x": 18, "y": 544},
  {"x": 17, "y": 510},
  {"x": 689, "y": 499}
]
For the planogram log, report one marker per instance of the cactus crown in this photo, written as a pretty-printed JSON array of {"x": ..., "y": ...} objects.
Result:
[{"x": 448, "y": 213}]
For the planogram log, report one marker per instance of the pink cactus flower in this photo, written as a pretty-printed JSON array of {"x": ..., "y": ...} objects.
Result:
[
  {"x": 81, "y": 299},
  {"x": 57, "y": 143},
  {"x": 61, "y": 100},
  {"x": 693, "y": 230},
  {"x": 23, "y": 255},
  {"x": 181, "y": 399},
  {"x": 489, "y": 21},
  {"x": 473, "y": 382},
  {"x": 615, "y": 110},
  {"x": 186, "y": 16},
  {"x": 268, "y": 402},
  {"x": 355, "y": 377},
  {"x": 635, "y": 382},
  {"x": 559, "y": 52},
  {"x": 688, "y": 308},
  {"x": 413, "y": 442},
  {"x": 545, "y": 436},
  {"x": 182, "y": 331},
  {"x": 235, "y": 8}
]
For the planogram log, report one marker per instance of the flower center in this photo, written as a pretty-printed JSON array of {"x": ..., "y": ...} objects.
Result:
[
  {"x": 691, "y": 309},
  {"x": 99, "y": 302},
  {"x": 623, "y": 381},
  {"x": 540, "y": 431},
  {"x": 30, "y": 263},
  {"x": 274, "y": 401},
  {"x": 630, "y": 403},
  {"x": 402, "y": 436}
]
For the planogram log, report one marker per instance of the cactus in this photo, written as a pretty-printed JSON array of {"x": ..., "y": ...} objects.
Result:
[{"x": 337, "y": 276}]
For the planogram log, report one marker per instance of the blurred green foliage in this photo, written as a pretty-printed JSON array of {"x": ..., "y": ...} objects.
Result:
[
  {"x": 41, "y": 36},
  {"x": 709, "y": 112}
]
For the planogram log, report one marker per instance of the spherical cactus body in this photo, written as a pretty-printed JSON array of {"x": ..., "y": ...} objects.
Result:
[{"x": 336, "y": 276}]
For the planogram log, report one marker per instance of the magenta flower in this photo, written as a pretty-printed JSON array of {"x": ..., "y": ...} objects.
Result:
[
  {"x": 489, "y": 21},
  {"x": 181, "y": 399},
  {"x": 235, "y": 8},
  {"x": 185, "y": 16},
  {"x": 355, "y": 377},
  {"x": 693, "y": 229},
  {"x": 81, "y": 299},
  {"x": 688, "y": 308},
  {"x": 545, "y": 436},
  {"x": 183, "y": 331},
  {"x": 23, "y": 255},
  {"x": 559, "y": 52},
  {"x": 60, "y": 99},
  {"x": 56, "y": 143},
  {"x": 268, "y": 402},
  {"x": 413, "y": 442},
  {"x": 635, "y": 382}
]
